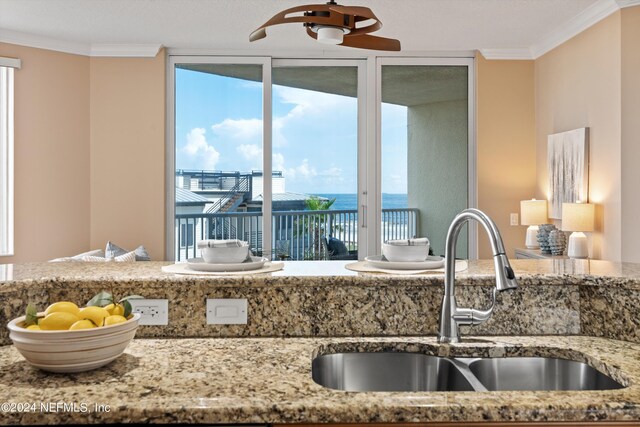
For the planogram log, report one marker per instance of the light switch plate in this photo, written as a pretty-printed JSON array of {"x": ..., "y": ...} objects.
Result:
[
  {"x": 226, "y": 311},
  {"x": 514, "y": 219},
  {"x": 152, "y": 311}
]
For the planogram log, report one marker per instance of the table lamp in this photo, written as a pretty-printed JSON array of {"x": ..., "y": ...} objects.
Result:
[
  {"x": 578, "y": 217},
  {"x": 533, "y": 213}
]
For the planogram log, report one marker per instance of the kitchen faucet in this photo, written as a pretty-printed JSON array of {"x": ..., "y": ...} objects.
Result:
[{"x": 452, "y": 316}]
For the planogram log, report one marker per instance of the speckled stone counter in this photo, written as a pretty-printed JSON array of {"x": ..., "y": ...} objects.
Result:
[
  {"x": 555, "y": 297},
  {"x": 245, "y": 377},
  {"x": 268, "y": 380}
]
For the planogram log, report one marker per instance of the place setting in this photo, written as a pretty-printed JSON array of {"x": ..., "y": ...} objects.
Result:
[
  {"x": 224, "y": 258},
  {"x": 404, "y": 257}
]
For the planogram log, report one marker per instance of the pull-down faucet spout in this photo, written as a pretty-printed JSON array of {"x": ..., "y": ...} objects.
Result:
[{"x": 452, "y": 316}]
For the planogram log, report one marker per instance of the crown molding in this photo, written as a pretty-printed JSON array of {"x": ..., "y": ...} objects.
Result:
[
  {"x": 320, "y": 54},
  {"x": 627, "y": 3},
  {"x": 585, "y": 19},
  {"x": 522, "y": 54},
  {"x": 10, "y": 62},
  {"x": 39, "y": 42},
  {"x": 85, "y": 49},
  {"x": 125, "y": 50}
]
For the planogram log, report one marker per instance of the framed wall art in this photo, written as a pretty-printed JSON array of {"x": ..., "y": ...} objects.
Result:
[{"x": 568, "y": 169}]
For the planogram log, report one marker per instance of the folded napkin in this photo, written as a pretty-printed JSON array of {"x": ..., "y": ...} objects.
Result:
[
  {"x": 232, "y": 243},
  {"x": 421, "y": 241}
]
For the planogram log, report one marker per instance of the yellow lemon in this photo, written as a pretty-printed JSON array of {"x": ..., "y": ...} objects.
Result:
[
  {"x": 62, "y": 306},
  {"x": 82, "y": 324},
  {"x": 115, "y": 309},
  {"x": 34, "y": 328},
  {"x": 95, "y": 314},
  {"x": 114, "y": 320},
  {"x": 58, "y": 321}
]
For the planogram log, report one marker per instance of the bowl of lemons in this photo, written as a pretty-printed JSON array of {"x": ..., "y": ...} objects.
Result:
[{"x": 68, "y": 338}]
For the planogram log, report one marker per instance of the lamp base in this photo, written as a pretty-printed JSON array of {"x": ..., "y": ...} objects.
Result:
[
  {"x": 578, "y": 247},
  {"x": 531, "y": 241}
]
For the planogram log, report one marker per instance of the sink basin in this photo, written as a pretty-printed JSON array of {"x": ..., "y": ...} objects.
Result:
[
  {"x": 539, "y": 373},
  {"x": 402, "y": 371},
  {"x": 388, "y": 372}
]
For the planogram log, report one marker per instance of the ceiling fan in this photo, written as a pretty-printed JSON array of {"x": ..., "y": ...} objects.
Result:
[{"x": 332, "y": 23}]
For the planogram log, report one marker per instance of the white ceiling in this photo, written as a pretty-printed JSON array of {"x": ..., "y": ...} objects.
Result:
[{"x": 500, "y": 27}]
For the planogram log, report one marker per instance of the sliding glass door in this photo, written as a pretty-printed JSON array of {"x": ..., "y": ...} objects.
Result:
[
  {"x": 426, "y": 147},
  {"x": 219, "y": 136},
  {"x": 315, "y": 159},
  {"x": 318, "y": 159}
]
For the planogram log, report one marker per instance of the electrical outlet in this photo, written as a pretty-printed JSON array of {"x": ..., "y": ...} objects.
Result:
[
  {"x": 514, "y": 219},
  {"x": 152, "y": 311},
  {"x": 227, "y": 311}
]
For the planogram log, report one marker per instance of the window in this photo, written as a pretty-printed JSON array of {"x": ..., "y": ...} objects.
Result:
[
  {"x": 7, "y": 66},
  {"x": 320, "y": 159}
]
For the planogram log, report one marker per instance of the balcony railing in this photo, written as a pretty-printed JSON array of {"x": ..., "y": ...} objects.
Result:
[{"x": 297, "y": 235}]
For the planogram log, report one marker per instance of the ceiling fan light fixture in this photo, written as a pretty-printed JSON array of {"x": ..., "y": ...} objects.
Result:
[
  {"x": 330, "y": 35},
  {"x": 331, "y": 23}
]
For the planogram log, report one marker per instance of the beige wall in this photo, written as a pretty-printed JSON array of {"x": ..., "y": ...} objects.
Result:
[
  {"x": 630, "y": 133},
  {"x": 51, "y": 154},
  {"x": 505, "y": 144},
  {"x": 127, "y": 152},
  {"x": 578, "y": 84}
]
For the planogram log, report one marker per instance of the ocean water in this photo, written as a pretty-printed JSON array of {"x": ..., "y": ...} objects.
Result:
[{"x": 350, "y": 201}]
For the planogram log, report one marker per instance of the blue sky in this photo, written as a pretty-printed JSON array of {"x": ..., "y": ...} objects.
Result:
[{"x": 219, "y": 127}]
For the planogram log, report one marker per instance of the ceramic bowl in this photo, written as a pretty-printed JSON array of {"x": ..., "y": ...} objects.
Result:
[
  {"x": 225, "y": 255},
  {"x": 405, "y": 253},
  {"x": 72, "y": 351}
]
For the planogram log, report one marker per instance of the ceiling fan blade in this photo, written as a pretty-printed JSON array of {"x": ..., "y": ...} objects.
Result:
[
  {"x": 283, "y": 18},
  {"x": 366, "y": 41},
  {"x": 258, "y": 34},
  {"x": 359, "y": 11}
]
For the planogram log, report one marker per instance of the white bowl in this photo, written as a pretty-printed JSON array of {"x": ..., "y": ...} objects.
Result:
[
  {"x": 72, "y": 351},
  {"x": 225, "y": 255},
  {"x": 74, "y": 367},
  {"x": 406, "y": 253}
]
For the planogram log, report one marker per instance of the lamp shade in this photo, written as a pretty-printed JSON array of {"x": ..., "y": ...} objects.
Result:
[
  {"x": 578, "y": 216},
  {"x": 533, "y": 212}
]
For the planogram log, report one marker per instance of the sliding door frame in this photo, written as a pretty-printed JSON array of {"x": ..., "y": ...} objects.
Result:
[
  {"x": 369, "y": 140},
  {"x": 362, "y": 149},
  {"x": 170, "y": 141},
  {"x": 472, "y": 187}
]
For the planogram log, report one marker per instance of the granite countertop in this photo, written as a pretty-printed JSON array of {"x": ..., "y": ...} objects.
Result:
[
  {"x": 268, "y": 380},
  {"x": 298, "y": 273}
]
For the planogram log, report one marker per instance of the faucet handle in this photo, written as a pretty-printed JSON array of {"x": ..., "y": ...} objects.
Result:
[{"x": 471, "y": 316}]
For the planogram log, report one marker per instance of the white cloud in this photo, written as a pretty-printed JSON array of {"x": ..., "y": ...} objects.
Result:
[
  {"x": 250, "y": 151},
  {"x": 197, "y": 146},
  {"x": 332, "y": 172},
  {"x": 307, "y": 104},
  {"x": 278, "y": 162},
  {"x": 239, "y": 128},
  {"x": 305, "y": 171}
]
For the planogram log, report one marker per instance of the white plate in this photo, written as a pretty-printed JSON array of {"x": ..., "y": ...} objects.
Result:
[
  {"x": 431, "y": 263},
  {"x": 198, "y": 264}
]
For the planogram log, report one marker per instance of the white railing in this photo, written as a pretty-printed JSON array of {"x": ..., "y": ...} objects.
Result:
[{"x": 297, "y": 235}]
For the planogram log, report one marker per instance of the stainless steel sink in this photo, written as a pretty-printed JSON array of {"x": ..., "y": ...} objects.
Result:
[
  {"x": 388, "y": 372},
  {"x": 399, "y": 371},
  {"x": 539, "y": 373}
]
